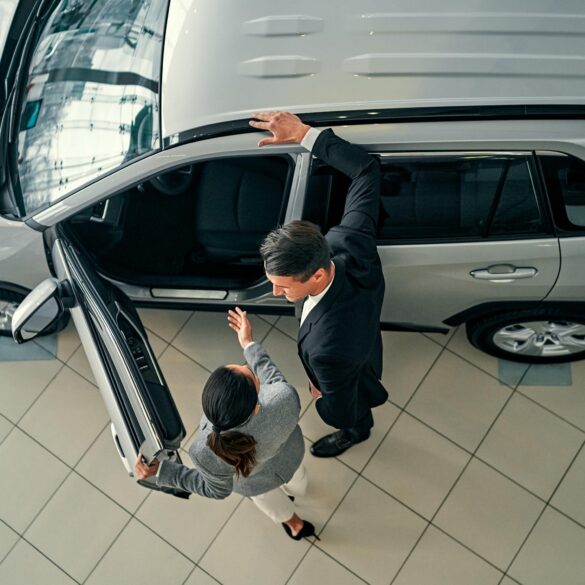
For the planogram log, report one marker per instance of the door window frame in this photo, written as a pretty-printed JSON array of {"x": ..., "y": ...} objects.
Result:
[
  {"x": 143, "y": 169},
  {"x": 556, "y": 205},
  {"x": 534, "y": 180}
]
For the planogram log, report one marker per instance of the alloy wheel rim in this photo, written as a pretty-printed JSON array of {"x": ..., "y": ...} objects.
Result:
[{"x": 541, "y": 338}]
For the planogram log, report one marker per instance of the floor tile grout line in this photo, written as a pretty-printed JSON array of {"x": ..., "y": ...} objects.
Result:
[
  {"x": 8, "y": 433},
  {"x": 474, "y": 456},
  {"x": 69, "y": 473},
  {"x": 133, "y": 516},
  {"x": 359, "y": 472},
  {"x": 567, "y": 516},
  {"x": 326, "y": 523},
  {"x": 109, "y": 497},
  {"x": 170, "y": 341},
  {"x": 547, "y": 504},
  {"x": 510, "y": 578},
  {"x": 21, "y": 537},
  {"x": 422, "y": 380},
  {"x": 477, "y": 367},
  {"x": 81, "y": 375},
  {"x": 402, "y": 409},
  {"x": 108, "y": 548},
  {"x": 428, "y": 521},
  {"x": 303, "y": 557},
  {"x": 556, "y": 414},
  {"x": 69, "y": 467},
  {"x": 536, "y": 496},
  {"x": 170, "y": 544},
  {"x": 447, "y": 337},
  {"x": 74, "y": 470},
  {"x": 55, "y": 355},
  {"x": 221, "y": 528},
  {"x": 458, "y": 478},
  {"x": 315, "y": 544},
  {"x": 284, "y": 332},
  {"x": 467, "y": 548},
  {"x": 201, "y": 569},
  {"x": 440, "y": 433},
  {"x": 182, "y": 352},
  {"x": 41, "y": 392}
]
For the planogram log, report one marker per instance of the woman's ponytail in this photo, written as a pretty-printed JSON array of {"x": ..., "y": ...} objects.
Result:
[
  {"x": 229, "y": 399},
  {"x": 235, "y": 448}
]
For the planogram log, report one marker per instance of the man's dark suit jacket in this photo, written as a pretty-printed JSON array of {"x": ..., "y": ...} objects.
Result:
[{"x": 339, "y": 342}]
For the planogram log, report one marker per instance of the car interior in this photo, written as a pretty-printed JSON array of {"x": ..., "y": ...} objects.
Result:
[{"x": 199, "y": 226}]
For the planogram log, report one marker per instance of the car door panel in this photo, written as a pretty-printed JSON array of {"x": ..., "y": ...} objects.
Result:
[
  {"x": 570, "y": 285},
  {"x": 143, "y": 413},
  {"x": 462, "y": 229},
  {"x": 428, "y": 283}
]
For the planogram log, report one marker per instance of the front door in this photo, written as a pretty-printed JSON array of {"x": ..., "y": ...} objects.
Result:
[{"x": 144, "y": 416}]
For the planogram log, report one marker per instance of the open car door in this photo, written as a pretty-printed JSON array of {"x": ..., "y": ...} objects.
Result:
[{"x": 144, "y": 416}]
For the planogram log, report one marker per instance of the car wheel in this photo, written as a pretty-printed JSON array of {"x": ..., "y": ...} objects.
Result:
[
  {"x": 10, "y": 297},
  {"x": 531, "y": 336}
]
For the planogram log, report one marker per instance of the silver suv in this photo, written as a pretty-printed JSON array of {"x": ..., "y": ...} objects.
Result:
[{"x": 129, "y": 171}]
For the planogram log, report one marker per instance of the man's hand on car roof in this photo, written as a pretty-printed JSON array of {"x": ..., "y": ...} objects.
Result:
[{"x": 286, "y": 128}]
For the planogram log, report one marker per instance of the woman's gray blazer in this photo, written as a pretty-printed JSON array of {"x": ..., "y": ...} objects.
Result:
[{"x": 279, "y": 442}]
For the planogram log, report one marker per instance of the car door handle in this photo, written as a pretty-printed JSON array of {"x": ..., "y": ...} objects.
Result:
[{"x": 503, "y": 273}]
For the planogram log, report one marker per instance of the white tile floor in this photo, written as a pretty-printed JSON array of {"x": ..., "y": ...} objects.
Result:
[{"x": 465, "y": 480}]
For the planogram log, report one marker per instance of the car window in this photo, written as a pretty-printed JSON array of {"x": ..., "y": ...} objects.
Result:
[
  {"x": 91, "y": 98},
  {"x": 216, "y": 214},
  {"x": 457, "y": 196},
  {"x": 564, "y": 177}
]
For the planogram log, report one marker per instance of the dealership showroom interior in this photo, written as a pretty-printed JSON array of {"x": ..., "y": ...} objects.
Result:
[{"x": 292, "y": 293}]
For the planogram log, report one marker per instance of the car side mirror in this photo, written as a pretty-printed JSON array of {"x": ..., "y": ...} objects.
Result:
[{"x": 38, "y": 311}]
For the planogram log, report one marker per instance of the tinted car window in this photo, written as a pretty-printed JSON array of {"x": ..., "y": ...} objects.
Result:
[
  {"x": 92, "y": 95},
  {"x": 458, "y": 196},
  {"x": 565, "y": 181}
]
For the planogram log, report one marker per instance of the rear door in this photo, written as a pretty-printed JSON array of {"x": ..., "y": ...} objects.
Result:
[
  {"x": 461, "y": 229},
  {"x": 144, "y": 416}
]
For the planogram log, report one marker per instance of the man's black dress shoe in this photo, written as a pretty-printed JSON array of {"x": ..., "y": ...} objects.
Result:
[{"x": 336, "y": 443}]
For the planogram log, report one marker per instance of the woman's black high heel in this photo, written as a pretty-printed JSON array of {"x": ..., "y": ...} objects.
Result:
[{"x": 307, "y": 530}]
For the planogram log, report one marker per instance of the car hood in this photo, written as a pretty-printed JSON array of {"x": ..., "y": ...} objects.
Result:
[{"x": 225, "y": 60}]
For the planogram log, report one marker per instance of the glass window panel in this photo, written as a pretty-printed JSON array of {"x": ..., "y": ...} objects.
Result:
[
  {"x": 92, "y": 95},
  {"x": 457, "y": 197},
  {"x": 565, "y": 181}
]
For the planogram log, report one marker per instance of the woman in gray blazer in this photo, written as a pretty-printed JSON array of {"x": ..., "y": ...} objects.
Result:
[{"x": 249, "y": 440}]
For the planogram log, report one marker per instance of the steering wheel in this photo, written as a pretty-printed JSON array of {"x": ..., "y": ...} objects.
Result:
[{"x": 174, "y": 182}]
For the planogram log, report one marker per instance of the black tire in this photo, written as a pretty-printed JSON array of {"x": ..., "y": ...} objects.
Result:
[
  {"x": 16, "y": 294},
  {"x": 487, "y": 335}
]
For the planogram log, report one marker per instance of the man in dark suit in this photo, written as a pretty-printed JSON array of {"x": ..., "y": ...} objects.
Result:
[{"x": 340, "y": 282}]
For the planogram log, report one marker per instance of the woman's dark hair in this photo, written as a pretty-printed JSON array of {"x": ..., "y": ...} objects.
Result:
[
  {"x": 296, "y": 249},
  {"x": 229, "y": 398}
]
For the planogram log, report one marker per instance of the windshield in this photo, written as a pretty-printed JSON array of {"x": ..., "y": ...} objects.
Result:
[{"x": 91, "y": 99}]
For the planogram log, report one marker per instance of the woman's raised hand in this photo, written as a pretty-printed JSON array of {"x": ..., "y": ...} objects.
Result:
[{"x": 239, "y": 322}]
